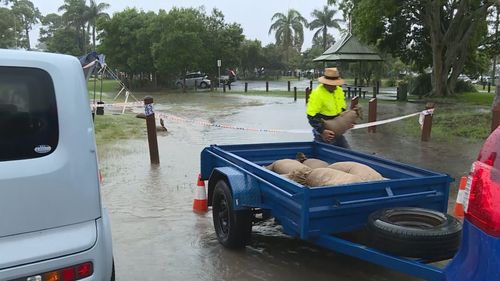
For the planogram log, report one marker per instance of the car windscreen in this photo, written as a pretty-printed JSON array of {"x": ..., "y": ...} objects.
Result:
[{"x": 28, "y": 113}]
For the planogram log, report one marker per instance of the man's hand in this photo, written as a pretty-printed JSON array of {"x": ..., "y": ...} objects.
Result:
[{"x": 328, "y": 135}]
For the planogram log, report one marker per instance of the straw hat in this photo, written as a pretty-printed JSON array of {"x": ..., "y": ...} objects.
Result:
[{"x": 331, "y": 77}]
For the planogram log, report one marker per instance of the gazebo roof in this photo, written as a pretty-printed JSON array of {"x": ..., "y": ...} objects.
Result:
[{"x": 349, "y": 49}]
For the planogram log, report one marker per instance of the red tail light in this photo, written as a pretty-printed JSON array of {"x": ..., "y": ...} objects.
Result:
[{"x": 482, "y": 192}]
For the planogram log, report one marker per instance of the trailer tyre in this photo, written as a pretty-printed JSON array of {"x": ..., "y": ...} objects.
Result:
[
  {"x": 233, "y": 228},
  {"x": 415, "y": 232}
]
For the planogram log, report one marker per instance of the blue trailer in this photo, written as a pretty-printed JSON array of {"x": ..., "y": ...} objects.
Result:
[{"x": 240, "y": 188}]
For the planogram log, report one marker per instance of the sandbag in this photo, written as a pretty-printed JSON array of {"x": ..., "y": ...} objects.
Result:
[
  {"x": 340, "y": 124},
  {"x": 310, "y": 162},
  {"x": 285, "y": 166},
  {"x": 363, "y": 171},
  {"x": 315, "y": 163},
  {"x": 299, "y": 175},
  {"x": 329, "y": 177}
]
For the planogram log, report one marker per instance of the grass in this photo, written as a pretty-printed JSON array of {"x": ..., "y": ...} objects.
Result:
[
  {"x": 110, "y": 128},
  {"x": 108, "y": 86}
]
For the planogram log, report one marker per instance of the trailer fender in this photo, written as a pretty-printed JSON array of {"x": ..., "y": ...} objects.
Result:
[{"x": 245, "y": 194}]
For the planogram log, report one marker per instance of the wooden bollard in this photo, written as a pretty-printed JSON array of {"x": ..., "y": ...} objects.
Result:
[
  {"x": 229, "y": 86},
  {"x": 359, "y": 92},
  {"x": 489, "y": 87},
  {"x": 311, "y": 85},
  {"x": 354, "y": 102},
  {"x": 378, "y": 88},
  {"x": 184, "y": 85},
  {"x": 372, "y": 114},
  {"x": 289, "y": 86},
  {"x": 267, "y": 86},
  {"x": 151, "y": 128},
  {"x": 427, "y": 126},
  {"x": 223, "y": 87},
  {"x": 495, "y": 120},
  {"x": 246, "y": 87},
  {"x": 374, "y": 95},
  {"x": 308, "y": 92},
  {"x": 294, "y": 93},
  {"x": 349, "y": 92}
]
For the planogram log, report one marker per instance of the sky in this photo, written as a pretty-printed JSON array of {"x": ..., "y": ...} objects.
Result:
[{"x": 254, "y": 16}]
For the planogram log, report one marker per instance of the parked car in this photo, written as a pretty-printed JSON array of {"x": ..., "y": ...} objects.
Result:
[
  {"x": 194, "y": 79},
  {"x": 464, "y": 77},
  {"x": 53, "y": 225}
]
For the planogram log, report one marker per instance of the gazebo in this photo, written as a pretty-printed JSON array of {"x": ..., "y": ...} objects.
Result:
[{"x": 349, "y": 49}]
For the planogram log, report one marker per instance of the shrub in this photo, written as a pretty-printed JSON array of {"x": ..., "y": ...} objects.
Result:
[
  {"x": 464, "y": 86},
  {"x": 420, "y": 85}
]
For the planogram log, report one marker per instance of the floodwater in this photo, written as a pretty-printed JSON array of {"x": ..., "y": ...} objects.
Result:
[{"x": 156, "y": 236}]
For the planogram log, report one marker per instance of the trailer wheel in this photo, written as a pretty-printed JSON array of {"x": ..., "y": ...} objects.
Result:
[
  {"x": 415, "y": 232},
  {"x": 233, "y": 228}
]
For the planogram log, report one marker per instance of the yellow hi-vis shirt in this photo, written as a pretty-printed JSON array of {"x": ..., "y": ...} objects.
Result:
[{"x": 323, "y": 102}]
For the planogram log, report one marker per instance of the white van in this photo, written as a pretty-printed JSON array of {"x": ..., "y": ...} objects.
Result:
[{"x": 52, "y": 222}]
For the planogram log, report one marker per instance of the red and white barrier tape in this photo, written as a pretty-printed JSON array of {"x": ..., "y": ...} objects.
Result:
[{"x": 296, "y": 131}]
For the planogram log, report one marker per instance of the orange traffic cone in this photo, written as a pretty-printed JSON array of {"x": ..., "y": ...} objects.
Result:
[
  {"x": 459, "y": 205},
  {"x": 200, "y": 200}
]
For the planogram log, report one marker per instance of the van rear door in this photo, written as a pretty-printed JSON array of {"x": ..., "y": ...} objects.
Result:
[{"x": 48, "y": 163}]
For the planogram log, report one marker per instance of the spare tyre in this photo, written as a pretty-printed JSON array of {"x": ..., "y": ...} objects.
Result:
[{"x": 414, "y": 232}]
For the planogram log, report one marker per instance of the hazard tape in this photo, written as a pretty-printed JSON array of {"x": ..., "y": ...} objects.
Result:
[
  {"x": 121, "y": 104},
  {"x": 293, "y": 131}
]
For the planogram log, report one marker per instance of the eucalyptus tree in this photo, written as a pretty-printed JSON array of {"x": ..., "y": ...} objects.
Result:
[
  {"x": 289, "y": 30},
  {"x": 322, "y": 20},
  {"x": 437, "y": 33},
  {"x": 27, "y": 15},
  {"x": 7, "y": 28}
]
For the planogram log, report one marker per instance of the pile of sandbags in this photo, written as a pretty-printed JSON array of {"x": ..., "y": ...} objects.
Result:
[{"x": 316, "y": 173}]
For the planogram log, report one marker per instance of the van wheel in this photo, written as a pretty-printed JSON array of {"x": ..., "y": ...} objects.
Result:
[
  {"x": 203, "y": 85},
  {"x": 415, "y": 232},
  {"x": 233, "y": 228}
]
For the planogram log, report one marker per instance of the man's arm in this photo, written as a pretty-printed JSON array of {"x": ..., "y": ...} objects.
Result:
[{"x": 316, "y": 123}]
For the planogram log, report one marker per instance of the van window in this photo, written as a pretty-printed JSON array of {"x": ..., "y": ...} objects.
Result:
[{"x": 28, "y": 113}]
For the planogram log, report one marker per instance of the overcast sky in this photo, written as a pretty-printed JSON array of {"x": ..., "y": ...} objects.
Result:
[{"x": 254, "y": 16}]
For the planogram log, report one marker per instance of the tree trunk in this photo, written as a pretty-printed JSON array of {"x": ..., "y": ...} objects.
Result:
[
  {"x": 496, "y": 100},
  {"x": 324, "y": 38},
  {"x": 28, "y": 44}
]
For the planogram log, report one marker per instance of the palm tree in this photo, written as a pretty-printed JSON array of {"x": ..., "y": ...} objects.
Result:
[
  {"x": 94, "y": 13},
  {"x": 75, "y": 14},
  {"x": 322, "y": 21},
  {"x": 289, "y": 30}
]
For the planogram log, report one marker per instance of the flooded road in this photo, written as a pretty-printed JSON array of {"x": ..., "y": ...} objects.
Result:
[{"x": 156, "y": 236}]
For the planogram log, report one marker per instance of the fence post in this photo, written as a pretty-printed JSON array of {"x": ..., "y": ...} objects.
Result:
[
  {"x": 308, "y": 92},
  {"x": 267, "y": 86},
  {"x": 184, "y": 85},
  {"x": 489, "y": 87},
  {"x": 374, "y": 92},
  {"x": 372, "y": 114},
  {"x": 223, "y": 87},
  {"x": 495, "y": 121},
  {"x": 360, "y": 92},
  {"x": 195, "y": 85},
  {"x": 311, "y": 85},
  {"x": 378, "y": 88},
  {"x": 289, "y": 86},
  {"x": 151, "y": 128},
  {"x": 349, "y": 92},
  {"x": 294, "y": 93},
  {"x": 427, "y": 126},
  {"x": 354, "y": 102},
  {"x": 246, "y": 87}
]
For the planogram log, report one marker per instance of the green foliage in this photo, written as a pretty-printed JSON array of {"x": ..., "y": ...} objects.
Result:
[
  {"x": 27, "y": 15},
  {"x": 7, "y": 31}
]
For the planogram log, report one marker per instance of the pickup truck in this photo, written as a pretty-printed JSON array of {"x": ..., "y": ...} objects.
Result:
[
  {"x": 53, "y": 225},
  {"x": 241, "y": 190}
]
